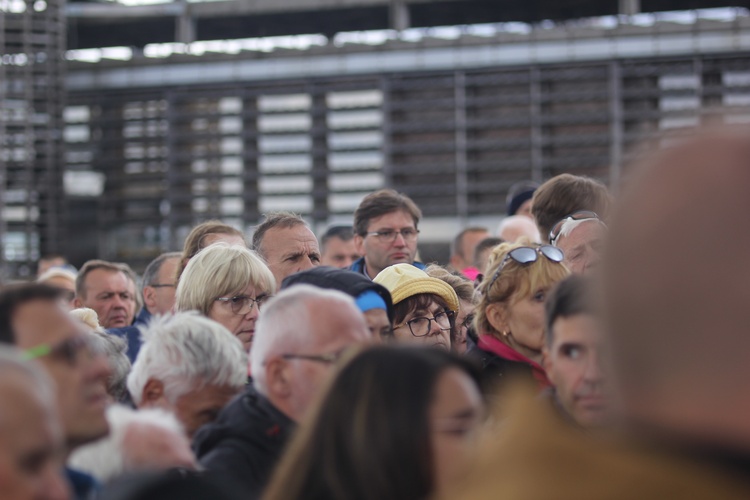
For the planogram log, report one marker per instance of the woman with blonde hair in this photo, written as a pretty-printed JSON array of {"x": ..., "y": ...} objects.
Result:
[
  {"x": 509, "y": 319},
  {"x": 228, "y": 284}
]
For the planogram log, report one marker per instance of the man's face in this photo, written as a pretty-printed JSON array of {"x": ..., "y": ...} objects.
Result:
[
  {"x": 289, "y": 250},
  {"x": 31, "y": 444},
  {"x": 573, "y": 364},
  {"x": 377, "y": 321},
  {"x": 159, "y": 299},
  {"x": 380, "y": 252},
  {"x": 339, "y": 253},
  {"x": 112, "y": 295},
  {"x": 79, "y": 374},
  {"x": 202, "y": 405},
  {"x": 582, "y": 246},
  {"x": 468, "y": 244},
  {"x": 332, "y": 331}
]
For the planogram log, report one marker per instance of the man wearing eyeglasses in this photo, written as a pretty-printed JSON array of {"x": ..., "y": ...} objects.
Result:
[
  {"x": 385, "y": 226},
  {"x": 32, "y": 318},
  {"x": 300, "y": 334}
]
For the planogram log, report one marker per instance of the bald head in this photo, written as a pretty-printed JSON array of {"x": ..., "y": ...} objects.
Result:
[
  {"x": 513, "y": 227},
  {"x": 676, "y": 282}
]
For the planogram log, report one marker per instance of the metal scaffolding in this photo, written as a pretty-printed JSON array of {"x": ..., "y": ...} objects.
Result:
[{"x": 32, "y": 42}]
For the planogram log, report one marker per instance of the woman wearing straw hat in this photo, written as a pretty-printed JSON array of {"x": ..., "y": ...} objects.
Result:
[{"x": 424, "y": 307}]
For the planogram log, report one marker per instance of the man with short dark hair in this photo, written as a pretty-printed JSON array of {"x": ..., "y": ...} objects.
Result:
[
  {"x": 483, "y": 250},
  {"x": 109, "y": 289},
  {"x": 573, "y": 354},
  {"x": 385, "y": 232},
  {"x": 337, "y": 247},
  {"x": 287, "y": 244},
  {"x": 462, "y": 250},
  {"x": 300, "y": 334},
  {"x": 31, "y": 318}
]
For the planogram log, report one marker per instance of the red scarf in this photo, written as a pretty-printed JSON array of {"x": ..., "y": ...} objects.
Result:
[{"x": 491, "y": 344}]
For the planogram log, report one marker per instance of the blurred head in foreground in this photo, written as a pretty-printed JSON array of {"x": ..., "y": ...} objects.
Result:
[{"x": 396, "y": 423}]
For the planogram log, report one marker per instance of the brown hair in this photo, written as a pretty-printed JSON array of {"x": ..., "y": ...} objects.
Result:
[
  {"x": 514, "y": 283},
  {"x": 380, "y": 203},
  {"x": 564, "y": 194},
  {"x": 194, "y": 241},
  {"x": 463, "y": 287}
]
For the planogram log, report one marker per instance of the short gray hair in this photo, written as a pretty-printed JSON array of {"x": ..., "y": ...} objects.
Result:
[
  {"x": 285, "y": 324},
  {"x": 186, "y": 351},
  {"x": 221, "y": 269},
  {"x": 107, "y": 458},
  {"x": 282, "y": 220},
  {"x": 113, "y": 347},
  {"x": 151, "y": 274}
]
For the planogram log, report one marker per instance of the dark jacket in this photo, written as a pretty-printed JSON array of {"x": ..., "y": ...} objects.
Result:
[
  {"x": 243, "y": 445},
  {"x": 359, "y": 267},
  {"x": 343, "y": 280},
  {"x": 132, "y": 333}
]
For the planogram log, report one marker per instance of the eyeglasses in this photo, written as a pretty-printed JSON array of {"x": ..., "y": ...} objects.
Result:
[
  {"x": 243, "y": 304},
  {"x": 468, "y": 320},
  {"x": 389, "y": 235},
  {"x": 579, "y": 215},
  {"x": 527, "y": 255},
  {"x": 325, "y": 358},
  {"x": 68, "y": 350},
  {"x": 420, "y": 327},
  {"x": 163, "y": 285}
]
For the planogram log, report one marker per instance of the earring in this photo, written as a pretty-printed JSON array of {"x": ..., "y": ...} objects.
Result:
[{"x": 505, "y": 333}]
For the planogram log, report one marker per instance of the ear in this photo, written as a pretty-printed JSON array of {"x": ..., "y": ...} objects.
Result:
[
  {"x": 153, "y": 395},
  {"x": 278, "y": 378},
  {"x": 77, "y": 302},
  {"x": 496, "y": 316},
  {"x": 359, "y": 244},
  {"x": 148, "y": 297}
]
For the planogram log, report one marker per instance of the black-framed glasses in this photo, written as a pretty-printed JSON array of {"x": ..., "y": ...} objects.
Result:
[
  {"x": 389, "y": 235},
  {"x": 420, "y": 327},
  {"x": 578, "y": 215},
  {"x": 163, "y": 285},
  {"x": 527, "y": 255},
  {"x": 68, "y": 350},
  {"x": 327, "y": 358},
  {"x": 243, "y": 304}
]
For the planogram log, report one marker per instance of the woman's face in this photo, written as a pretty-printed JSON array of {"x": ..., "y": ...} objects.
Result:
[
  {"x": 455, "y": 415},
  {"x": 463, "y": 318},
  {"x": 241, "y": 325},
  {"x": 525, "y": 323},
  {"x": 436, "y": 333}
]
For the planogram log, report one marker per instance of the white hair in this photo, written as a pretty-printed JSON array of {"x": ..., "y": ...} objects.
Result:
[
  {"x": 285, "y": 324},
  {"x": 570, "y": 224},
  {"x": 107, "y": 458},
  {"x": 515, "y": 226},
  {"x": 57, "y": 272},
  {"x": 186, "y": 351},
  {"x": 113, "y": 347}
]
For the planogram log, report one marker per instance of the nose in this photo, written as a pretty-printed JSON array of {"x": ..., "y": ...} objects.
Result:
[
  {"x": 593, "y": 372},
  {"x": 253, "y": 312},
  {"x": 400, "y": 241}
]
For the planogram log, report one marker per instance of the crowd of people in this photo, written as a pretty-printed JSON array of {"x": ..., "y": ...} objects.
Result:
[{"x": 588, "y": 347}]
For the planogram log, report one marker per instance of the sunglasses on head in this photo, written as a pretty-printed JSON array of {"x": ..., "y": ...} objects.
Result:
[
  {"x": 579, "y": 215},
  {"x": 527, "y": 255}
]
